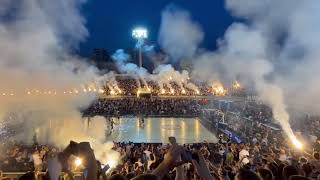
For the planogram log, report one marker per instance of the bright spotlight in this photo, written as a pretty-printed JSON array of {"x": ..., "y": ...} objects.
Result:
[{"x": 140, "y": 33}]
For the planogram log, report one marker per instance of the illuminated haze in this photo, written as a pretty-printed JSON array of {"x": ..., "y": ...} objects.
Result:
[
  {"x": 36, "y": 38},
  {"x": 275, "y": 49}
]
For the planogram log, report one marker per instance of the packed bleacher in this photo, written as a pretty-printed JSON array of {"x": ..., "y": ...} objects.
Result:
[
  {"x": 254, "y": 122},
  {"x": 174, "y": 107},
  {"x": 128, "y": 86},
  {"x": 264, "y": 152}
]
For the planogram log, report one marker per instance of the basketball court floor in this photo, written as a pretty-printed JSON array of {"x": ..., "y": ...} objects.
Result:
[{"x": 157, "y": 130}]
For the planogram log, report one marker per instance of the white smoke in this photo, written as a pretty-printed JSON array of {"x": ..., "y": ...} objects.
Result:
[
  {"x": 41, "y": 79},
  {"x": 122, "y": 59},
  {"x": 166, "y": 73},
  {"x": 163, "y": 74},
  {"x": 275, "y": 49},
  {"x": 179, "y": 36},
  {"x": 292, "y": 41}
]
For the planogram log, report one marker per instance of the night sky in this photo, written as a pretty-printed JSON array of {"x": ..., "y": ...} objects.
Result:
[{"x": 110, "y": 21}]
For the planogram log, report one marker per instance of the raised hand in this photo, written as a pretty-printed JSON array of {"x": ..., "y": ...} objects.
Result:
[{"x": 201, "y": 168}]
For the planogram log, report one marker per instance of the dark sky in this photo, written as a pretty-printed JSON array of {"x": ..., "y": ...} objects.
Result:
[{"x": 110, "y": 21}]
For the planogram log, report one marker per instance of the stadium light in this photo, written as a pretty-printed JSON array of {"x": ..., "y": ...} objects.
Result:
[{"x": 140, "y": 34}]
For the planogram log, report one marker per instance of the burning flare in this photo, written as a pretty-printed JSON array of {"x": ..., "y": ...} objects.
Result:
[
  {"x": 236, "y": 85},
  {"x": 78, "y": 162},
  {"x": 218, "y": 89}
]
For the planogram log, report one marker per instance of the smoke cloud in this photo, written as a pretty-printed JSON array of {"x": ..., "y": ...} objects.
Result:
[
  {"x": 163, "y": 74},
  {"x": 41, "y": 79},
  {"x": 179, "y": 36},
  {"x": 122, "y": 59},
  {"x": 291, "y": 40},
  {"x": 274, "y": 49}
]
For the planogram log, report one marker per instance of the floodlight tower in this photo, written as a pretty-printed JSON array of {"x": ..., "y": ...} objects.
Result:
[{"x": 140, "y": 34}]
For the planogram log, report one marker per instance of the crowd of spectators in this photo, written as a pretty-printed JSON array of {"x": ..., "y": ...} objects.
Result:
[
  {"x": 257, "y": 112},
  {"x": 264, "y": 154},
  {"x": 129, "y": 86},
  {"x": 19, "y": 157},
  {"x": 141, "y": 106},
  {"x": 254, "y": 122},
  {"x": 260, "y": 118},
  {"x": 243, "y": 125},
  {"x": 311, "y": 128},
  {"x": 223, "y": 160}
]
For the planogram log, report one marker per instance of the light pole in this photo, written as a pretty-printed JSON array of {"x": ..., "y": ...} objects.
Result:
[{"x": 140, "y": 34}]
